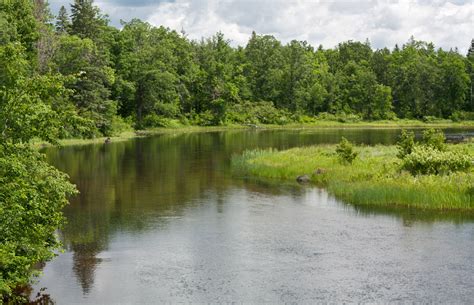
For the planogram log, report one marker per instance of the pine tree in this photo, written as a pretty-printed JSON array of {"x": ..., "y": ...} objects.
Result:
[
  {"x": 470, "y": 60},
  {"x": 86, "y": 19},
  {"x": 63, "y": 24},
  {"x": 470, "y": 52}
]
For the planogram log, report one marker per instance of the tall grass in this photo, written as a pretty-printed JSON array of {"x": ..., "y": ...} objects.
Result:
[{"x": 374, "y": 178}]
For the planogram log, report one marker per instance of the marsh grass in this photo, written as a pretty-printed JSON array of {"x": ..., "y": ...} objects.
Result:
[{"x": 374, "y": 178}]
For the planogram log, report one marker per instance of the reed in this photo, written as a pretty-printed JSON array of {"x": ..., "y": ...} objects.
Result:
[{"x": 374, "y": 178}]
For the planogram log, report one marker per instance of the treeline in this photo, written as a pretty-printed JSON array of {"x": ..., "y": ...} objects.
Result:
[{"x": 149, "y": 76}]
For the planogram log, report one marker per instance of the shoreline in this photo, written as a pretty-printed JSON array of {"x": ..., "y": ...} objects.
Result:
[
  {"x": 374, "y": 178},
  {"x": 128, "y": 135}
]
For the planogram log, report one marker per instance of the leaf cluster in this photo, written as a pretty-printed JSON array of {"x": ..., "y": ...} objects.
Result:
[
  {"x": 345, "y": 151},
  {"x": 32, "y": 194},
  {"x": 430, "y": 156}
]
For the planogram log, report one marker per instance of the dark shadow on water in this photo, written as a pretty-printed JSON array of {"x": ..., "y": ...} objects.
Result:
[{"x": 410, "y": 216}]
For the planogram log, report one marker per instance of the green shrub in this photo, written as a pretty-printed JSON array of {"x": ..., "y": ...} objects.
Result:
[
  {"x": 258, "y": 112},
  {"x": 241, "y": 113},
  {"x": 267, "y": 113},
  {"x": 339, "y": 117},
  {"x": 434, "y": 138},
  {"x": 119, "y": 125},
  {"x": 154, "y": 120},
  {"x": 32, "y": 195},
  {"x": 169, "y": 110},
  {"x": 458, "y": 116},
  {"x": 429, "y": 119},
  {"x": 427, "y": 160},
  {"x": 349, "y": 118},
  {"x": 405, "y": 143},
  {"x": 305, "y": 119},
  {"x": 205, "y": 118},
  {"x": 345, "y": 151},
  {"x": 326, "y": 116}
]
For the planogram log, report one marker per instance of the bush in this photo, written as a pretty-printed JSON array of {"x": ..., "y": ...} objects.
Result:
[
  {"x": 345, "y": 151},
  {"x": 154, "y": 120},
  {"x": 426, "y": 160},
  {"x": 205, "y": 118},
  {"x": 267, "y": 113},
  {"x": 303, "y": 118},
  {"x": 257, "y": 112},
  {"x": 406, "y": 143},
  {"x": 32, "y": 195},
  {"x": 339, "y": 117},
  {"x": 434, "y": 138},
  {"x": 349, "y": 118},
  {"x": 241, "y": 113},
  {"x": 429, "y": 119},
  {"x": 119, "y": 125},
  {"x": 458, "y": 116},
  {"x": 169, "y": 110}
]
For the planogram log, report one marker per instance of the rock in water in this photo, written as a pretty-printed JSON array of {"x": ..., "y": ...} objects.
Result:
[{"x": 303, "y": 179}]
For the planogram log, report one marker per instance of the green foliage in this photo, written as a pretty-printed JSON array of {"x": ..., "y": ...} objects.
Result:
[
  {"x": 345, "y": 151},
  {"x": 18, "y": 24},
  {"x": 205, "y": 118},
  {"x": 434, "y": 138},
  {"x": 381, "y": 106},
  {"x": 144, "y": 71},
  {"x": 89, "y": 79},
  {"x": 339, "y": 117},
  {"x": 119, "y": 125},
  {"x": 32, "y": 194},
  {"x": 257, "y": 112},
  {"x": 63, "y": 24},
  {"x": 32, "y": 106},
  {"x": 86, "y": 20},
  {"x": 406, "y": 143},
  {"x": 154, "y": 120},
  {"x": 427, "y": 160},
  {"x": 459, "y": 116},
  {"x": 430, "y": 157}
]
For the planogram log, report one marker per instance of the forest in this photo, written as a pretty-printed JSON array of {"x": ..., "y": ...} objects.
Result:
[
  {"x": 72, "y": 75},
  {"x": 143, "y": 76}
]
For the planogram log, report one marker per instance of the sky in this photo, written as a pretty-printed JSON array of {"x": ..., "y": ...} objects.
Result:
[{"x": 446, "y": 23}]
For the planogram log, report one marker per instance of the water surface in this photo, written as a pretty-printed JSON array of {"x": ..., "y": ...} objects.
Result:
[{"x": 161, "y": 219}]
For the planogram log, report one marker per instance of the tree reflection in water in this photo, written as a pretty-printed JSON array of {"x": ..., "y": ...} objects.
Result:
[{"x": 134, "y": 186}]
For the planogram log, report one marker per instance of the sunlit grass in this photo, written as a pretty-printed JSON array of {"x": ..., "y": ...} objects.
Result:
[{"x": 374, "y": 177}]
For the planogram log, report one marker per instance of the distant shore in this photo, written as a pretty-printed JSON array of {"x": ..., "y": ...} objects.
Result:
[{"x": 127, "y": 135}]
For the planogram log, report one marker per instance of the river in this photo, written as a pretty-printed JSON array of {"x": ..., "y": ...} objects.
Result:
[{"x": 162, "y": 220}]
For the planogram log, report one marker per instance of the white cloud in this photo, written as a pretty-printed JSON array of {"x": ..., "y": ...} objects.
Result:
[{"x": 447, "y": 23}]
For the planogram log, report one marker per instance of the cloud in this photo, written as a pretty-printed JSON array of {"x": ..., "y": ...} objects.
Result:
[{"x": 447, "y": 23}]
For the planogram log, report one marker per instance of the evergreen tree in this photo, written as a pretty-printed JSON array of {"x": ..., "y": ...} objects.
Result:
[
  {"x": 86, "y": 20},
  {"x": 63, "y": 24}
]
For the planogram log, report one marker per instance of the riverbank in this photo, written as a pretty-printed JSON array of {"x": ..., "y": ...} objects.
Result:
[
  {"x": 374, "y": 178},
  {"x": 124, "y": 136}
]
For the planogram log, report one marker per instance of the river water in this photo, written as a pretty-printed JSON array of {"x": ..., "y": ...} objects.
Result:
[{"x": 162, "y": 220}]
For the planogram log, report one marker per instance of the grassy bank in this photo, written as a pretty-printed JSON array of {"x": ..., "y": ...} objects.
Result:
[
  {"x": 374, "y": 177},
  {"x": 124, "y": 136},
  {"x": 318, "y": 124}
]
